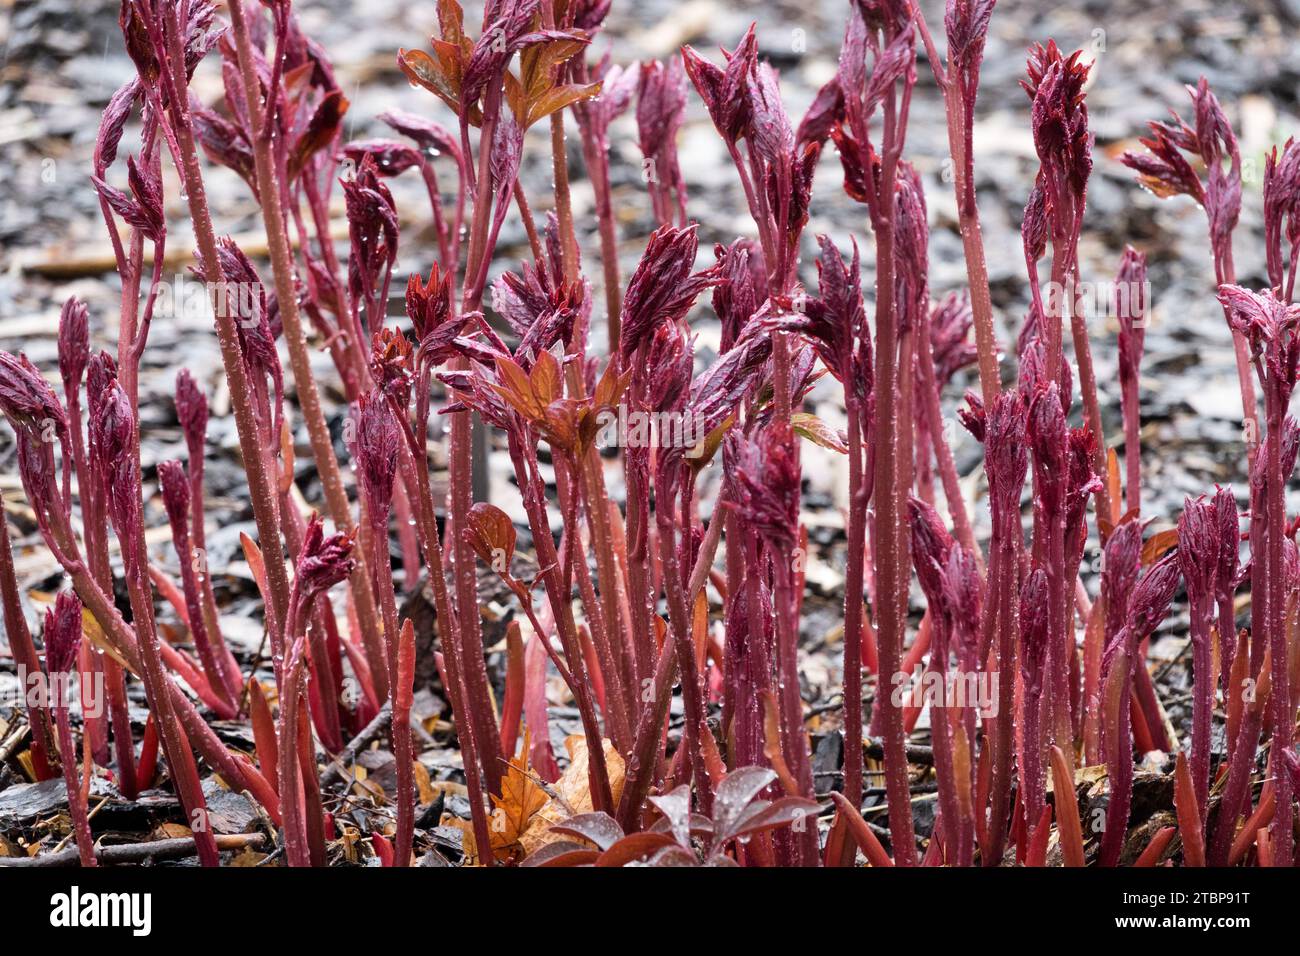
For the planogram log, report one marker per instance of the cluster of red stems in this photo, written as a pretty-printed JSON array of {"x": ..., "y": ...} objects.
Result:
[{"x": 625, "y": 634}]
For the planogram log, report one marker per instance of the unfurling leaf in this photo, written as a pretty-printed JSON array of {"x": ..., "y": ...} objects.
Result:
[{"x": 492, "y": 535}]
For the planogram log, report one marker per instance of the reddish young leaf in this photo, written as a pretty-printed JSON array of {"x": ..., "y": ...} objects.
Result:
[
  {"x": 1156, "y": 848},
  {"x": 867, "y": 841},
  {"x": 1036, "y": 851},
  {"x": 1189, "y": 813},
  {"x": 1068, "y": 829},
  {"x": 268, "y": 748}
]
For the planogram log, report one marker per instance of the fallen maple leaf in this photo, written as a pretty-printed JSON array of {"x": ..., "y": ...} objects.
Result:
[
  {"x": 572, "y": 794},
  {"x": 521, "y": 798}
]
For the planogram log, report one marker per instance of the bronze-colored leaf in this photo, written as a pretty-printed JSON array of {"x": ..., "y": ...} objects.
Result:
[
  {"x": 546, "y": 379},
  {"x": 421, "y": 69},
  {"x": 1069, "y": 829},
  {"x": 516, "y": 99},
  {"x": 297, "y": 81},
  {"x": 492, "y": 535},
  {"x": 538, "y": 61},
  {"x": 1112, "y": 482},
  {"x": 557, "y": 99},
  {"x": 1159, "y": 543},
  {"x": 818, "y": 432},
  {"x": 516, "y": 388},
  {"x": 452, "y": 58},
  {"x": 610, "y": 387},
  {"x": 451, "y": 21},
  {"x": 560, "y": 422},
  {"x": 703, "y": 453},
  {"x": 321, "y": 131}
]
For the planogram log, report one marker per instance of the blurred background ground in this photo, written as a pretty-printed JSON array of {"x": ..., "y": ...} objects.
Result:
[{"x": 60, "y": 60}]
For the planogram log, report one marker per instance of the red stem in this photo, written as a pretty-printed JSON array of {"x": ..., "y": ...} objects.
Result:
[
  {"x": 853, "y": 609},
  {"x": 1001, "y": 620},
  {"x": 1283, "y": 713},
  {"x": 959, "y": 107},
  {"x": 24, "y": 653},
  {"x": 180, "y": 760},
  {"x": 892, "y": 595},
  {"x": 260, "y": 485},
  {"x": 1132, "y": 442},
  {"x": 472, "y": 666},
  {"x": 286, "y": 294},
  {"x": 76, "y": 799}
]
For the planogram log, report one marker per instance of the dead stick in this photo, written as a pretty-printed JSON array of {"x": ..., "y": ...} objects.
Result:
[
  {"x": 149, "y": 852},
  {"x": 334, "y": 772},
  {"x": 923, "y": 756},
  {"x": 16, "y": 738}
]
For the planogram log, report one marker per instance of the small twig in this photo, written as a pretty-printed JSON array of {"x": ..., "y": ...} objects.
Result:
[
  {"x": 17, "y": 736},
  {"x": 150, "y": 852},
  {"x": 547, "y": 789},
  {"x": 339, "y": 765},
  {"x": 924, "y": 756},
  {"x": 272, "y": 856},
  {"x": 90, "y": 816},
  {"x": 827, "y": 707},
  {"x": 244, "y": 701}
]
